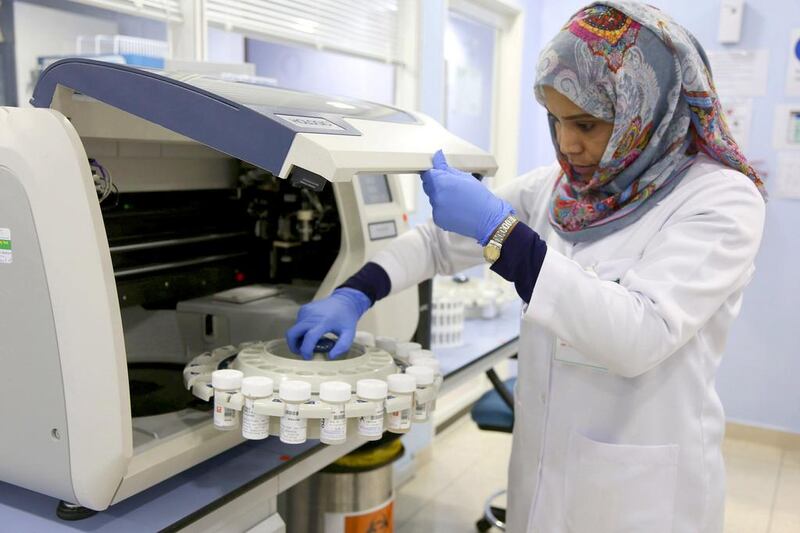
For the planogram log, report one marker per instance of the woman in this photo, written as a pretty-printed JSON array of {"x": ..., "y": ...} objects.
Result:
[{"x": 631, "y": 254}]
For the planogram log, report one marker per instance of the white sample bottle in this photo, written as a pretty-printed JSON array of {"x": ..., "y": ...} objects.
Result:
[
  {"x": 255, "y": 426},
  {"x": 293, "y": 393},
  {"x": 434, "y": 365},
  {"x": 388, "y": 344},
  {"x": 365, "y": 338},
  {"x": 401, "y": 385},
  {"x": 333, "y": 428},
  {"x": 419, "y": 355},
  {"x": 226, "y": 383},
  {"x": 430, "y": 363},
  {"x": 373, "y": 391},
  {"x": 424, "y": 377},
  {"x": 404, "y": 349}
]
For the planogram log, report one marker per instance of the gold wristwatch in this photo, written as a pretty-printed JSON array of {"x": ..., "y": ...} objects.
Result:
[{"x": 491, "y": 252}]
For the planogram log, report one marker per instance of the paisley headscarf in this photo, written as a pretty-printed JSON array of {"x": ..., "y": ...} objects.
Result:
[{"x": 631, "y": 64}]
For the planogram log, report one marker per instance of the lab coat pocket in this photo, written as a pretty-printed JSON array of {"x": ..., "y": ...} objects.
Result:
[{"x": 613, "y": 488}]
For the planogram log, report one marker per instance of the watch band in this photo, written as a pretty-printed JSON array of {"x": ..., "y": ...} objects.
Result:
[
  {"x": 502, "y": 231},
  {"x": 491, "y": 252}
]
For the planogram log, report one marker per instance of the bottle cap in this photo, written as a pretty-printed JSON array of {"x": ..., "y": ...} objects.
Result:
[
  {"x": 402, "y": 383},
  {"x": 295, "y": 391},
  {"x": 430, "y": 363},
  {"x": 227, "y": 379},
  {"x": 365, "y": 338},
  {"x": 404, "y": 349},
  {"x": 334, "y": 391},
  {"x": 257, "y": 386},
  {"x": 388, "y": 344},
  {"x": 419, "y": 355},
  {"x": 423, "y": 374},
  {"x": 324, "y": 345},
  {"x": 372, "y": 389}
]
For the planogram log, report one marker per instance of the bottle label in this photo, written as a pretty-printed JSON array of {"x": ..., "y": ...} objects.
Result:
[
  {"x": 254, "y": 426},
  {"x": 293, "y": 428},
  {"x": 421, "y": 411},
  {"x": 334, "y": 427},
  {"x": 224, "y": 417},
  {"x": 372, "y": 425},
  {"x": 400, "y": 419}
]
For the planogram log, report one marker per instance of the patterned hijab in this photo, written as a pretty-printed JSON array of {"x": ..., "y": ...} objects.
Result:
[{"x": 630, "y": 64}]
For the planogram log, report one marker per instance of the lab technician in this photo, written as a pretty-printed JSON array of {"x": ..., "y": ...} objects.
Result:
[{"x": 631, "y": 254}]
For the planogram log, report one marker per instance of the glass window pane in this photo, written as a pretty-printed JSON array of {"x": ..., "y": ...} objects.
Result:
[{"x": 469, "y": 52}]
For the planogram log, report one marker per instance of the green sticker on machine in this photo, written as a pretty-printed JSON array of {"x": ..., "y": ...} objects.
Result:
[{"x": 5, "y": 246}]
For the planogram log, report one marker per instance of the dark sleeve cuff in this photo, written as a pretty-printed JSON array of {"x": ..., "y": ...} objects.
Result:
[
  {"x": 372, "y": 280},
  {"x": 521, "y": 259}
]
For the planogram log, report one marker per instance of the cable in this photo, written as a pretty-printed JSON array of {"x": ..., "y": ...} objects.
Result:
[{"x": 103, "y": 181}]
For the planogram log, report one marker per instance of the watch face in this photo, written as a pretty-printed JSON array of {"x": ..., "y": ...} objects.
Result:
[{"x": 491, "y": 252}]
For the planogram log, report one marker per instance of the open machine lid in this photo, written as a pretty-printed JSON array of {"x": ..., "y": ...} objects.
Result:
[{"x": 306, "y": 137}]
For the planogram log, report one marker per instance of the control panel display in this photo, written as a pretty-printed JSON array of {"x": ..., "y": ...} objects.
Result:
[
  {"x": 375, "y": 188},
  {"x": 382, "y": 230}
]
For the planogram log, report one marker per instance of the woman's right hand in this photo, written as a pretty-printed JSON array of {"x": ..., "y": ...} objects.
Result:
[{"x": 338, "y": 313}]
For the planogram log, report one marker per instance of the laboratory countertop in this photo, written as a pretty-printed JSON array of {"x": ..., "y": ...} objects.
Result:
[
  {"x": 481, "y": 338},
  {"x": 165, "y": 504},
  {"x": 175, "y": 501}
]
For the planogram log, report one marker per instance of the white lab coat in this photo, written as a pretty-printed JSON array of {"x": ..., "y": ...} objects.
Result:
[{"x": 618, "y": 426}]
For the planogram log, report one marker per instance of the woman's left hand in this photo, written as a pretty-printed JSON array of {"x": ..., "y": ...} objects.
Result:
[{"x": 461, "y": 203}]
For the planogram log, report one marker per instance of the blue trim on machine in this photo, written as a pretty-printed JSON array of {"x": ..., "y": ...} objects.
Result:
[{"x": 207, "y": 118}]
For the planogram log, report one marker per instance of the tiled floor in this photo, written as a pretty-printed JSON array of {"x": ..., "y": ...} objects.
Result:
[{"x": 447, "y": 494}]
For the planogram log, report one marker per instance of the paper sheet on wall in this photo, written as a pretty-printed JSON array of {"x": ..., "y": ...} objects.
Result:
[
  {"x": 787, "y": 179},
  {"x": 786, "y": 127},
  {"x": 739, "y": 116},
  {"x": 740, "y": 73},
  {"x": 793, "y": 67}
]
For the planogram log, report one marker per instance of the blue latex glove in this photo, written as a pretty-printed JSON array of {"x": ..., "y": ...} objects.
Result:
[
  {"x": 461, "y": 203},
  {"x": 338, "y": 313}
]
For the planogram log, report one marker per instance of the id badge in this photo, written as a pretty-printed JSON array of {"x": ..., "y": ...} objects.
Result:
[{"x": 566, "y": 353}]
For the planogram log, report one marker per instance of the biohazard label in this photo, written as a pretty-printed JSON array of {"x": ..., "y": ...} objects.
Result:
[
  {"x": 6, "y": 255},
  {"x": 379, "y": 519}
]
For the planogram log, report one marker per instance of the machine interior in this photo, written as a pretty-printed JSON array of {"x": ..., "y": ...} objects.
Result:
[{"x": 178, "y": 232}]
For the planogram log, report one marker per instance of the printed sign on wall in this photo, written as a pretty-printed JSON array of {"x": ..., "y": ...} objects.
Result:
[{"x": 793, "y": 67}]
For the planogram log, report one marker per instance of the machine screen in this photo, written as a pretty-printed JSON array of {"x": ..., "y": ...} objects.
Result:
[{"x": 375, "y": 189}]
